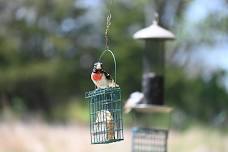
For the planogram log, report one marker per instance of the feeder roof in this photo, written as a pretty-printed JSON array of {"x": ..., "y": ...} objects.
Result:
[{"x": 154, "y": 31}]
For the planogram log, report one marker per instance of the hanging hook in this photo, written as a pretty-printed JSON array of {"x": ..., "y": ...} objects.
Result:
[
  {"x": 108, "y": 24},
  {"x": 114, "y": 59}
]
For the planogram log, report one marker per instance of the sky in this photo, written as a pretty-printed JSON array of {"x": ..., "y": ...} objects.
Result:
[
  {"x": 216, "y": 55},
  {"x": 213, "y": 57},
  {"x": 199, "y": 9},
  {"x": 90, "y": 3}
]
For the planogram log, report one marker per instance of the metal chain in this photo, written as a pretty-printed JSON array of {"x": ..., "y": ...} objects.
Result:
[{"x": 108, "y": 24}]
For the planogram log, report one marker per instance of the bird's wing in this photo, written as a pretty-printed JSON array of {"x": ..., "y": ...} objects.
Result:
[{"x": 108, "y": 76}]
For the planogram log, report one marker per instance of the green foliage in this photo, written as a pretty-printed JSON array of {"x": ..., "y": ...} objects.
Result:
[
  {"x": 200, "y": 99},
  {"x": 39, "y": 62}
]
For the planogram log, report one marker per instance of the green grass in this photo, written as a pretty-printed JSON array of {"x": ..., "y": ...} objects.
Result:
[{"x": 198, "y": 138}]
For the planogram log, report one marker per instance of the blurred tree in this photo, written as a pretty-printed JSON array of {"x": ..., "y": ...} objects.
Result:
[
  {"x": 48, "y": 48},
  {"x": 41, "y": 48}
]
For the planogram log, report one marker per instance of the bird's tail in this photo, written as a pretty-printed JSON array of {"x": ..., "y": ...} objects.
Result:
[{"x": 113, "y": 84}]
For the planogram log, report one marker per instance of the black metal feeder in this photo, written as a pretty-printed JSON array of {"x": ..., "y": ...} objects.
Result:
[{"x": 146, "y": 137}]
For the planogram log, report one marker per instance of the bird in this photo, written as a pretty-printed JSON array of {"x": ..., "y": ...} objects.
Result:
[
  {"x": 104, "y": 125},
  {"x": 100, "y": 78},
  {"x": 134, "y": 99}
]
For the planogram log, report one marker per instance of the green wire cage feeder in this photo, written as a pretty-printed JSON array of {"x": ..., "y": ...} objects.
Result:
[{"x": 105, "y": 107}]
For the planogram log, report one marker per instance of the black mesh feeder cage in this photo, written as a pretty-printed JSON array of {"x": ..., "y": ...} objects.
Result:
[
  {"x": 149, "y": 140},
  {"x": 105, "y": 107},
  {"x": 152, "y": 133}
]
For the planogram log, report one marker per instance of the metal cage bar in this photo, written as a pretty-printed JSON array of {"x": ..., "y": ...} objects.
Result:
[
  {"x": 149, "y": 140},
  {"x": 106, "y": 122}
]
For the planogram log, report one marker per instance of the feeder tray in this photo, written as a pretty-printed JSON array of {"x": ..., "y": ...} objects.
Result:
[
  {"x": 148, "y": 108},
  {"x": 149, "y": 140}
]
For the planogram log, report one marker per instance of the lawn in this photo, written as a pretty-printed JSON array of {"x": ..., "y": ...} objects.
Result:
[{"x": 37, "y": 136}]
